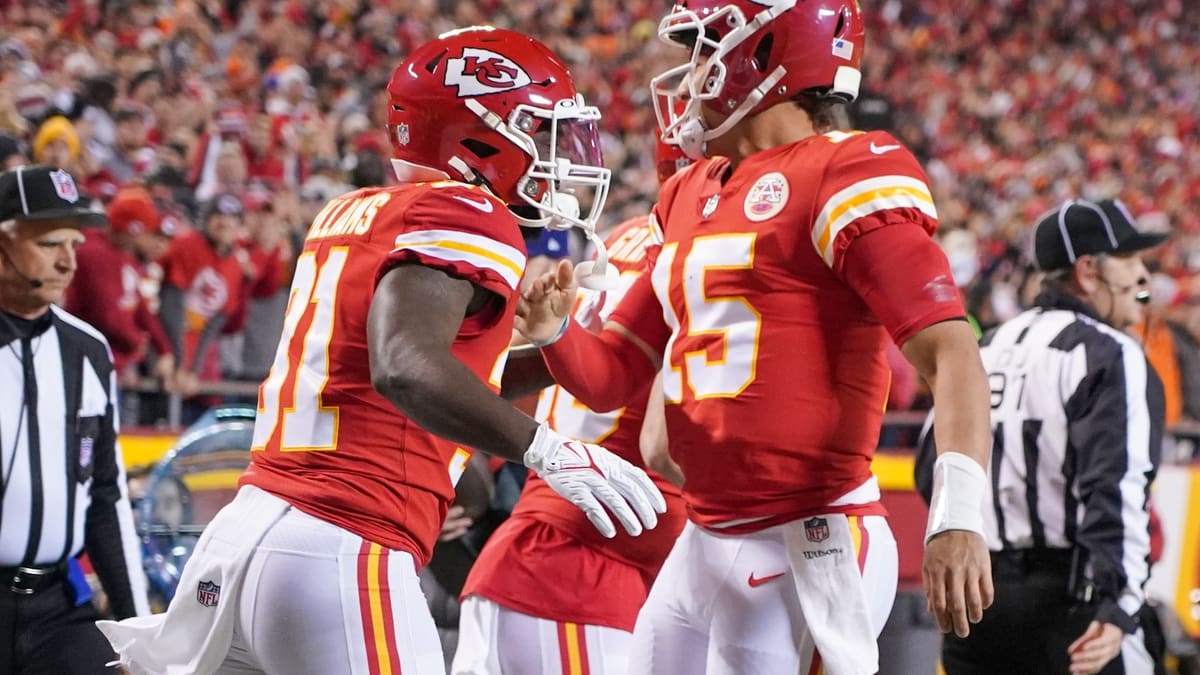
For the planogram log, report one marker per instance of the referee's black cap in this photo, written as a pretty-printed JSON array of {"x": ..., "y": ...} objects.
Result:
[
  {"x": 43, "y": 192},
  {"x": 1081, "y": 227}
]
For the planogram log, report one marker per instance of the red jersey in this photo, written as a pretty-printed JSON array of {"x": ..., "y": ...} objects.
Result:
[
  {"x": 776, "y": 376},
  {"x": 211, "y": 285},
  {"x": 599, "y": 581},
  {"x": 107, "y": 294},
  {"x": 325, "y": 440}
]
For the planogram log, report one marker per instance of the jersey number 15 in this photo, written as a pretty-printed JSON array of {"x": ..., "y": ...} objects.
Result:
[{"x": 729, "y": 322}]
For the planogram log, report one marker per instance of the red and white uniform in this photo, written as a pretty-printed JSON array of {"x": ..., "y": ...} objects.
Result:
[
  {"x": 563, "y": 596},
  {"x": 313, "y": 566},
  {"x": 773, "y": 299},
  {"x": 325, "y": 440}
]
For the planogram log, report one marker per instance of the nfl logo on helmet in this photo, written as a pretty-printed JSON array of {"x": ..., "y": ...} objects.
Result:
[
  {"x": 816, "y": 530},
  {"x": 208, "y": 593}
]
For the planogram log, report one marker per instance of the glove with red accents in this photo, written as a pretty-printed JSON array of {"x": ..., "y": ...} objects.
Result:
[{"x": 594, "y": 479}]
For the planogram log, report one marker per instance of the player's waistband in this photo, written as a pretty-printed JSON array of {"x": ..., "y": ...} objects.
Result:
[{"x": 860, "y": 501}]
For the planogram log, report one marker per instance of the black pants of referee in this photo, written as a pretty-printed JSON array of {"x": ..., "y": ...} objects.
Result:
[
  {"x": 1030, "y": 624},
  {"x": 44, "y": 633}
]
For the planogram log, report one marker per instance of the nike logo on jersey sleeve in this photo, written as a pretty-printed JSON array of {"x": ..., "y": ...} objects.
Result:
[
  {"x": 755, "y": 583},
  {"x": 883, "y": 149},
  {"x": 484, "y": 204}
]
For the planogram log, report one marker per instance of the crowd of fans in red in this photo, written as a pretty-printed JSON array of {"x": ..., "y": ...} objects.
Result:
[{"x": 213, "y": 130}]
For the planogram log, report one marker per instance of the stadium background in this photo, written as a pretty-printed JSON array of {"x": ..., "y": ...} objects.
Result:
[{"x": 1011, "y": 105}]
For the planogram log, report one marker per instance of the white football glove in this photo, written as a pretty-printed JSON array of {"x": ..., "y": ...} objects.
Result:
[{"x": 593, "y": 478}]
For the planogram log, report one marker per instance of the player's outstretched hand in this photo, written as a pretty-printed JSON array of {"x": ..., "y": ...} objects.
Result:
[
  {"x": 595, "y": 479},
  {"x": 958, "y": 579},
  {"x": 545, "y": 303}
]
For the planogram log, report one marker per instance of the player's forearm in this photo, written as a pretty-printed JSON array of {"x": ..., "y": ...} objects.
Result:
[
  {"x": 442, "y": 396},
  {"x": 525, "y": 373},
  {"x": 947, "y": 356},
  {"x": 603, "y": 372},
  {"x": 653, "y": 437}
]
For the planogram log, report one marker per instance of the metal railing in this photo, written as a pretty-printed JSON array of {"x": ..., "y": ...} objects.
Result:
[{"x": 1180, "y": 447}]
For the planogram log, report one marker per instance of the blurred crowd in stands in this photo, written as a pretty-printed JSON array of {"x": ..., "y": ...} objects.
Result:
[{"x": 214, "y": 130}]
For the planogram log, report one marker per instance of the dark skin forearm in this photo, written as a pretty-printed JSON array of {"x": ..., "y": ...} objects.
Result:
[
  {"x": 525, "y": 372},
  {"x": 413, "y": 321}
]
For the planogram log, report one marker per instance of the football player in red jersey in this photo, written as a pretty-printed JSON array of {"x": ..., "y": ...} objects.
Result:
[
  {"x": 387, "y": 371},
  {"x": 547, "y": 593},
  {"x": 791, "y": 255}
]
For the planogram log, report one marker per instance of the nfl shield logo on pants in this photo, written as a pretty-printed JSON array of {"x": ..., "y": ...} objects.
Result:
[
  {"x": 816, "y": 530},
  {"x": 208, "y": 593}
]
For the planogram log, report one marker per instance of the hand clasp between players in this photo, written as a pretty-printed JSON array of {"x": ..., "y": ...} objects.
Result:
[{"x": 594, "y": 479}]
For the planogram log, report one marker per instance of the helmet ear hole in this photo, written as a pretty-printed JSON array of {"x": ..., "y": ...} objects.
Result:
[
  {"x": 479, "y": 148},
  {"x": 762, "y": 52},
  {"x": 841, "y": 24}
]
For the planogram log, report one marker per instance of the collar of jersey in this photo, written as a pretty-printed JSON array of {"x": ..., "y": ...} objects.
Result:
[{"x": 1053, "y": 299}]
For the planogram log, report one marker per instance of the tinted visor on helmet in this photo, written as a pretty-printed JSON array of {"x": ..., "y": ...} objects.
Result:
[{"x": 567, "y": 177}]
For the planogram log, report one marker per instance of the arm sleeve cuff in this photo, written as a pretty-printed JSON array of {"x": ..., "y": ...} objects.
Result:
[{"x": 1110, "y": 612}]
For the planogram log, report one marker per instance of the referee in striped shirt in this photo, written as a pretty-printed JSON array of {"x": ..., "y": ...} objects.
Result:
[
  {"x": 1077, "y": 422},
  {"x": 63, "y": 488}
]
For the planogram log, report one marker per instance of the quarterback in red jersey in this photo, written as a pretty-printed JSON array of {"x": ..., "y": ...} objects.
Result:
[
  {"x": 589, "y": 589},
  {"x": 387, "y": 371},
  {"x": 791, "y": 255}
]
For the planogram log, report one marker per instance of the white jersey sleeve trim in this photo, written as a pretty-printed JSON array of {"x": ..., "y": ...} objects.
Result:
[
  {"x": 864, "y": 198},
  {"x": 473, "y": 249}
]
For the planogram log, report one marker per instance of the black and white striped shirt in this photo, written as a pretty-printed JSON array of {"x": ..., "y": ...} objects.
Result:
[
  {"x": 1077, "y": 422},
  {"x": 63, "y": 480}
]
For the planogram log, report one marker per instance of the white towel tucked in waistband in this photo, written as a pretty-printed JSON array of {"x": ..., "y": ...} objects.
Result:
[
  {"x": 824, "y": 566},
  {"x": 194, "y": 634}
]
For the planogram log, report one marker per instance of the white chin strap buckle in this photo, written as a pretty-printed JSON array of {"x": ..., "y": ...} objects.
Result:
[
  {"x": 597, "y": 275},
  {"x": 691, "y": 139},
  {"x": 563, "y": 208}
]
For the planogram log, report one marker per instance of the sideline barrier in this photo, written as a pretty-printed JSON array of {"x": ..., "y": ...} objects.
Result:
[{"x": 1175, "y": 579}]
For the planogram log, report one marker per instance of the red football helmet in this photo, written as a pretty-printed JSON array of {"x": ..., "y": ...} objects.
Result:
[
  {"x": 496, "y": 108},
  {"x": 749, "y": 55}
]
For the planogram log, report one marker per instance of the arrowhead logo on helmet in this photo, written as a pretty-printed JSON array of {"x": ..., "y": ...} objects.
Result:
[{"x": 481, "y": 71}]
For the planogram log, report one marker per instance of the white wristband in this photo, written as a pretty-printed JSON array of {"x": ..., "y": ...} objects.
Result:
[
  {"x": 959, "y": 487},
  {"x": 562, "y": 329}
]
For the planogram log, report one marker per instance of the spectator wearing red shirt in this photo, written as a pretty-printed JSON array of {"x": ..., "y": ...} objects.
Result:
[
  {"x": 202, "y": 287},
  {"x": 108, "y": 293},
  {"x": 265, "y": 254}
]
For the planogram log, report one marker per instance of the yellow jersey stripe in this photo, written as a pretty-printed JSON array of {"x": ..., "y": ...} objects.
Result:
[{"x": 864, "y": 198}]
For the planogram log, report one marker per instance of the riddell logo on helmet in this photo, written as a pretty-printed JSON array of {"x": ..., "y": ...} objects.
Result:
[{"x": 479, "y": 71}]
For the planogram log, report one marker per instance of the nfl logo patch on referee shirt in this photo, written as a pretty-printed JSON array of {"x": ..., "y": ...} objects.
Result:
[
  {"x": 816, "y": 530},
  {"x": 208, "y": 593}
]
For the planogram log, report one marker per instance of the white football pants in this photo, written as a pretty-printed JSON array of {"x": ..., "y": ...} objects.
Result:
[
  {"x": 496, "y": 640},
  {"x": 319, "y": 600},
  {"x": 731, "y": 604}
]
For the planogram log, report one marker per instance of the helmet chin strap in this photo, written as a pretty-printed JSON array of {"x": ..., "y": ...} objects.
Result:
[
  {"x": 691, "y": 139},
  {"x": 597, "y": 275}
]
